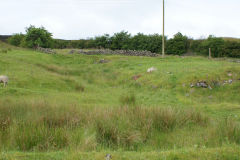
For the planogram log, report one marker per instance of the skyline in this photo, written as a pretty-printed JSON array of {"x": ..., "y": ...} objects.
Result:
[{"x": 80, "y": 19}]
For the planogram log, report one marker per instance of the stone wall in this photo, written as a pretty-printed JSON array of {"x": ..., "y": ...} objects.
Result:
[
  {"x": 45, "y": 50},
  {"x": 115, "y": 52}
]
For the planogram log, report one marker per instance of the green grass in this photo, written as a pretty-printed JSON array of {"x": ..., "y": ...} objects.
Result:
[{"x": 72, "y": 107}]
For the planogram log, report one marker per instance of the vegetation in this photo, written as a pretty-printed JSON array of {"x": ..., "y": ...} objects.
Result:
[
  {"x": 37, "y": 37},
  {"x": 65, "y": 106},
  {"x": 178, "y": 45},
  {"x": 16, "y": 39}
]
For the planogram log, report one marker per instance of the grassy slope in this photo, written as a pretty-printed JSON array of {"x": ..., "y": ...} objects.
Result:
[{"x": 81, "y": 81}]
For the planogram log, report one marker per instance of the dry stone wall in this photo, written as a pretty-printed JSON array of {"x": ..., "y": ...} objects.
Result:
[
  {"x": 46, "y": 50},
  {"x": 115, "y": 52}
]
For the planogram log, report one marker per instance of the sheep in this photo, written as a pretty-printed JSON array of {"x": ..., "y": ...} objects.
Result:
[
  {"x": 4, "y": 80},
  {"x": 152, "y": 69}
]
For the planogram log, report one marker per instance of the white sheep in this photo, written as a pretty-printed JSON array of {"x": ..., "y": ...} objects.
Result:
[
  {"x": 4, "y": 80},
  {"x": 152, "y": 69}
]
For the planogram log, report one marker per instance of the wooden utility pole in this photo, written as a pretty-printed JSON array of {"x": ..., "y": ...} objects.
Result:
[
  {"x": 163, "y": 37},
  {"x": 210, "y": 53}
]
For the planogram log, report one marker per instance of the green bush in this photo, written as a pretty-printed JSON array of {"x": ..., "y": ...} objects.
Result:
[
  {"x": 16, "y": 39},
  {"x": 232, "y": 49},
  {"x": 38, "y": 37},
  {"x": 177, "y": 45},
  {"x": 120, "y": 41}
]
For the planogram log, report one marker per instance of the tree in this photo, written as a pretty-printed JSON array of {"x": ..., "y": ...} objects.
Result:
[
  {"x": 177, "y": 45},
  {"x": 38, "y": 37},
  {"x": 120, "y": 40},
  {"x": 216, "y": 45},
  {"x": 16, "y": 39},
  {"x": 103, "y": 41}
]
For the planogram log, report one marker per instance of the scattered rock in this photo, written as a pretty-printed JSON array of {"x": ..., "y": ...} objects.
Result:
[
  {"x": 103, "y": 61},
  {"x": 152, "y": 69},
  {"x": 209, "y": 87},
  {"x": 192, "y": 85},
  {"x": 108, "y": 157},
  {"x": 202, "y": 84},
  {"x": 71, "y": 52},
  {"x": 210, "y": 97},
  {"x": 230, "y": 81}
]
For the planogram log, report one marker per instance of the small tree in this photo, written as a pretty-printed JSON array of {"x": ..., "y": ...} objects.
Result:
[
  {"x": 38, "y": 37},
  {"x": 216, "y": 45},
  {"x": 120, "y": 40},
  {"x": 177, "y": 45},
  {"x": 16, "y": 39},
  {"x": 103, "y": 41}
]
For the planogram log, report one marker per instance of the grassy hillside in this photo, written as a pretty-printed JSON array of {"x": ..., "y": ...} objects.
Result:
[
  {"x": 231, "y": 39},
  {"x": 72, "y": 106}
]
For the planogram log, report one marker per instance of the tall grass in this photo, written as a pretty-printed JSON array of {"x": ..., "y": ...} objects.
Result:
[{"x": 41, "y": 126}]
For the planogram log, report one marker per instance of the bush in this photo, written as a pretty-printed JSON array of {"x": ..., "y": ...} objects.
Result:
[
  {"x": 120, "y": 41},
  {"x": 38, "y": 37},
  {"x": 177, "y": 45},
  {"x": 16, "y": 39},
  {"x": 232, "y": 49}
]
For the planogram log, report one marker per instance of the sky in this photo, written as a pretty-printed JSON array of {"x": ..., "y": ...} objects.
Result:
[{"x": 78, "y": 19}]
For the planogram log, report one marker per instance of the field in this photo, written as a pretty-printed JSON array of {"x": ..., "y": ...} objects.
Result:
[{"x": 64, "y": 106}]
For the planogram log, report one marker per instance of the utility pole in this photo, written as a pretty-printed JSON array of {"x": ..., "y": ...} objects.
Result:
[{"x": 163, "y": 37}]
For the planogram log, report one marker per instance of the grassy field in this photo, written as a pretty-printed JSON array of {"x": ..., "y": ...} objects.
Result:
[{"x": 73, "y": 107}]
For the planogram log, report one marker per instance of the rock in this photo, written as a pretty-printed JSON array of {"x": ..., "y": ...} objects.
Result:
[
  {"x": 108, "y": 157},
  {"x": 230, "y": 81},
  {"x": 209, "y": 87},
  {"x": 103, "y": 61},
  {"x": 152, "y": 69},
  {"x": 71, "y": 52},
  {"x": 202, "y": 84},
  {"x": 210, "y": 97},
  {"x": 192, "y": 85}
]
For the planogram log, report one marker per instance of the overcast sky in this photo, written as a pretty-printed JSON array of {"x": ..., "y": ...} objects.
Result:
[{"x": 75, "y": 19}]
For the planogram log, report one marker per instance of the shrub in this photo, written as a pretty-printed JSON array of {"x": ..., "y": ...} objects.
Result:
[
  {"x": 38, "y": 37},
  {"x": 120, "y": 41},
  {"x": 177, "y": 45},
  {"x": 16, "y": 39},
  {"x": 232, "y": 49}
]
